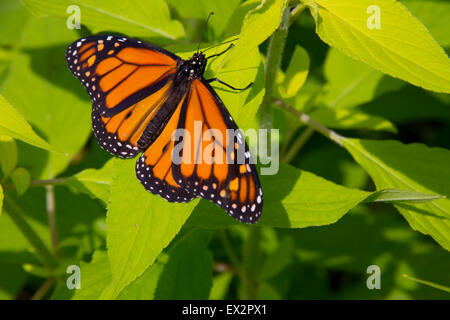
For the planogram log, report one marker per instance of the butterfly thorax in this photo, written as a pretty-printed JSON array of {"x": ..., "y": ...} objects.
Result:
[{"x": 193, "y": 68}]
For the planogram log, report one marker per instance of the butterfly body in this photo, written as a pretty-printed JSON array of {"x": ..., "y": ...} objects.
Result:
[{"x": 142, "y": 97}]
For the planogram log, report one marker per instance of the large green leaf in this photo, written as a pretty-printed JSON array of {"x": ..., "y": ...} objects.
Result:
[
  {"x": 57, "y": 105},
  {"x": 298, "y": 199},
  {"x": 13, "y": 124},
  {"x": 414, "y": 167},
  {"x": 402, "y": 47},
  {"x": 139, "y": 226},
  {"x": 139, "y": 18},
  {"x": 295, "y": 198}
]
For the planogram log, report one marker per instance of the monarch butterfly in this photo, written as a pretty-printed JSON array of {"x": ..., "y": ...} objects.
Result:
[{"x": 141, "y": 94}]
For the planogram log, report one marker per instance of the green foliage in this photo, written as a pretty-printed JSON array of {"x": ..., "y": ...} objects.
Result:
[
  {"x": 140, "y": 19},
  {"x": 412, "y": 167},
  {"x": 330, "y": 211},
  {"x": 392, "y": 49},
  {"x": 13, "y": 125}
]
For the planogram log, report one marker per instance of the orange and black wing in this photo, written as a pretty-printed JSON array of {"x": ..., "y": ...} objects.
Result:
[
  {"x": 128, "y": 81},
  {"x": 154, "y": 168},
  {"x": 218, "y": 166}
]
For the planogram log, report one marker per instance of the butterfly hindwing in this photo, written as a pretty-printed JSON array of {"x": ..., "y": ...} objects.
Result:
[
  {"x": 154, "y": 167},
  {"x": 226, "y": 173}
]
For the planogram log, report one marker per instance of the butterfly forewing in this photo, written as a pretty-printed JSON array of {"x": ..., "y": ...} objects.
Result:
[{"x": 128, "y": 81}]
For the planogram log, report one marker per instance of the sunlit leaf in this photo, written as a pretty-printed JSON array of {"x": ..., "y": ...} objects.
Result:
[
  {"x": 139, "y": 226},
  {"x": 13, "y": 124},
  {"x": 399, "y": 45},
  {"x": 93, "y": 182},
  {"x": 137, "y": 18},
  {"x": 296, "y": 73},
  {"x": 57, "y": 106}
]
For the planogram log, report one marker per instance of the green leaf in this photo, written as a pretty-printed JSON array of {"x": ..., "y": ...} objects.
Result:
[
  {"x": 8, "y": 155},
  {"x": 351, "y": 83},
  {"x": 220, "y": 286},
  {"x": 425, "y": 11},
  {"x": 413, "y": 167},
  {"x": 428, "y": 283},
  {"x": 139, "y": 18},
  {"x": 13, "y": 124},
  {"x": 296, "y": 73},
  {"x": 351, "y": 119},
  {"x": 402, "y": 47},
  {"x": 258, "y": 25},
  {"x": 57, "y": 106},
  {"x": 93, "y": 182},
  {"x": 139, "y": 226},
  {"x": 21, "y": 179},
  {"x": 299, "y": 199},
  {"x": 144, "y": 287},
  {"x": 188, "y": 273},
  {"x": 95, "y": 276},
  {"x": 395, "y": 195}
]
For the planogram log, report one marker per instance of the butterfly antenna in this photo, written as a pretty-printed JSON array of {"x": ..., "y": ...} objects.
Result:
[
  {"x": 219, "y": 44},
  {"x": 204, "y": 30}
]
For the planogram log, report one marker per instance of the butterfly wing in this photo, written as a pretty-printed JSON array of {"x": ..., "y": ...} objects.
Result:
[
  {"x": 216, "y": 163},
  {"x": 154, "y": 168},
  {"x": 128, "y": 81}
]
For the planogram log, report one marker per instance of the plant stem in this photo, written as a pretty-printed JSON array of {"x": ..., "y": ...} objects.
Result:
[
  {"x": 296, "y": 12},
  {"x": 38, "y": 183},
  {"x": 273, "y": 60},
  {"x": 298, "y": 144},
  {"x": 304, "y": 118},
  {"x": 43, "y": 289},
  {"x": 41, "y": 249},
  {"x": 50, "y": 206},
  {"x": 231, "y": 255},
  {"x": 251, "y": 258}
]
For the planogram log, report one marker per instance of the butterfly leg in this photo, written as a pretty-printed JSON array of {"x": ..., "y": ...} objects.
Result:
[{"x": 229, "y": 86}]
